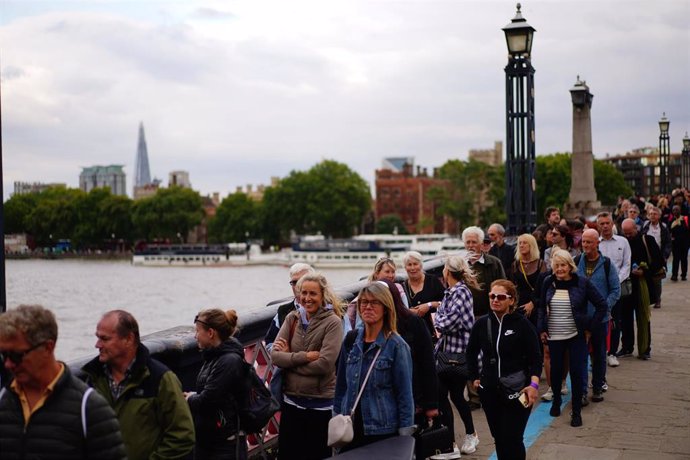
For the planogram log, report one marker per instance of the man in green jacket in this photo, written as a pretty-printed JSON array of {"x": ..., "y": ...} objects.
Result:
[{"x": 155, "y": 419}]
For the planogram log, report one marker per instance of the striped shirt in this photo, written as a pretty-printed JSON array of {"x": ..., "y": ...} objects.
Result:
[
  {"x": 561, "y": 320},
  {"x": 454, "y": 319}
]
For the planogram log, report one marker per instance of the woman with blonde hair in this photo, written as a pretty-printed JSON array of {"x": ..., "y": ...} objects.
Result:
[
  {"x": 454, "y": 320},
  {"x": 386, "y": 406},
  {"x": 564, "y": 324},
  {"x": 306, "y": 349},
  {"x": 219, "y": 387},
  {"x": 526, "y": 269}
]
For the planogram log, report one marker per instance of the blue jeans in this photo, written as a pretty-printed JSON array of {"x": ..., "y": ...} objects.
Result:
[
  {"x": 598, "y": 342},
  {"x": 577, "y": 347}
]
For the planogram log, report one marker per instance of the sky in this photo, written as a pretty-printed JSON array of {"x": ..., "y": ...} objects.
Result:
[{"x": 235, "y": 92}]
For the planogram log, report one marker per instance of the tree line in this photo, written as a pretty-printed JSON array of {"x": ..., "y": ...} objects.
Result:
[{"x": 329, "y": 198}]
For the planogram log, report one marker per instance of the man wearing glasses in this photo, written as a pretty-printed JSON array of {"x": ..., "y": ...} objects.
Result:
[
  {"x": 45, "y": 411},
  {"x": 297, "y": 271},
  {"x": 147, "y": 396}
]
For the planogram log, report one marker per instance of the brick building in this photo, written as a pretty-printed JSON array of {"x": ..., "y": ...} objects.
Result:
[
  {"x": 404, "y": 193},
  {"x": 640, "y": 168}
]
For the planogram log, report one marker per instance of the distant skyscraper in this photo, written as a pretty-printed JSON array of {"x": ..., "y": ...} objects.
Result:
[
  {"x": 142, "y": 173},
  {"x": 111, "y": 176}
]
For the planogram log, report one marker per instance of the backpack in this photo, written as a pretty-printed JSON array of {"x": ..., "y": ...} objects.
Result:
[
  {"x": 607, "y": 263},
  {"x": 259, "y": 404}
]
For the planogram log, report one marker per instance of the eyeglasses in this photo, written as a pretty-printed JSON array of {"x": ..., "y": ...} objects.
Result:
[
  {"x": 17, "y": 356},
  {"x": 369, "y": 303},
  {"x": 197, "y": 320},
  {"x": 500, "y": 297}
]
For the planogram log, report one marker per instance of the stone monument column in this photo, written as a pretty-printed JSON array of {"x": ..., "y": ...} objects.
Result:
[{"x": 583, "y": 195}]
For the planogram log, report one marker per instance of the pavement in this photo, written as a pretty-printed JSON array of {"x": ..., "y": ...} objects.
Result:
[{"x": 646, "y": 410}]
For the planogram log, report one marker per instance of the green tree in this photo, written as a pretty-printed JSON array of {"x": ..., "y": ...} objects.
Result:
[
  {"x": 17, "y": 210},
  {"x": 236, "y": 217},
  {"x": 170, "y": 212},
  {"x": 329, "y": 198},
  {"x": 610, "y": 183},
  {"x": 390, "y": 223},
  {"x": 55, "y": 215}
]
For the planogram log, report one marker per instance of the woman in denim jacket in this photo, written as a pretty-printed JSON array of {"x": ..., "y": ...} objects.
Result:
[{"x": 386, "y": 407}]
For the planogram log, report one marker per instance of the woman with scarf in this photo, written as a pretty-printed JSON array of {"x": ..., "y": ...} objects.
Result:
[{"x": 306, "y": 349}]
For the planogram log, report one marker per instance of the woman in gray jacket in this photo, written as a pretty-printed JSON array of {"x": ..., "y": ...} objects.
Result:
[{"x": 307, "y": 348}]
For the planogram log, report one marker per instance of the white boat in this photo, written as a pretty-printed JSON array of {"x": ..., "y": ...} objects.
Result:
[{"x": 336, "y": 253}]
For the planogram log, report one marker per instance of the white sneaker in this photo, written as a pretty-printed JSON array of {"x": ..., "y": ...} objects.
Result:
[
  {"x": 447, "y": 456},
  {"x": 470, "y": 443},
  {"x": 564, "y": 390},
  {"x": 548, "y": 396},
  {"x": 613, "y": 361}
]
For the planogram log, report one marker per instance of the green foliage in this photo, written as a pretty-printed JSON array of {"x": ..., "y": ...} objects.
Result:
[
  {"x": 170, "y": 212},
  {"x": 389, "y": 223},
  {"x": 329, "y": 198},
  {"x": 54, "y": 216},
  {"x": 474, "y": 195},
  {"x": 236, "y": 217},
  {"x": 17, "y": 210},
  {"x": 610, "y": 183}
]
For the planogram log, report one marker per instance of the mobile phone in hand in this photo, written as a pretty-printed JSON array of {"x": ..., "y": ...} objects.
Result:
[{"x": 523, "y": 400}]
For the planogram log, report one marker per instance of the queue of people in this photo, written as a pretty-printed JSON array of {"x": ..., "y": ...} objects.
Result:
[{"x": 569, "y": 290}]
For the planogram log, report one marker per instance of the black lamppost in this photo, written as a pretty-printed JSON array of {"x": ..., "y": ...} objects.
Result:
[
  {"x": 664, "y": 154},
  {"x": 685, "y": 163},
  {"x": 521, "y": 200}
]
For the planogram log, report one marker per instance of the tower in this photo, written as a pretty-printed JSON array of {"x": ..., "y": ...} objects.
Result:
[{"x": 142, "y": 174}]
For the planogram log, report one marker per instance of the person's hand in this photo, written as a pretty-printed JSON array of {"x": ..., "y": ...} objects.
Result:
[
  {"x": 313, "y": 355},
  {"x": 544, "y": 337},
  {"x": 415, "y": 311},
  {"x": 637, "y": 272},
  {"x": 588, "y": 334},
  {"x": 527, "y": 308},
  {"x": 423, "y": 309},
  {"x": 280, "y": 345},
  {"x": 476, "y": 384},
  {"x": 431, "y": 413},
  {"x": 532, "y": 395}
]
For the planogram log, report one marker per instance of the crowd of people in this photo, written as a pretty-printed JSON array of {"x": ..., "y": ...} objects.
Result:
[{"x": 571, "y": 295}]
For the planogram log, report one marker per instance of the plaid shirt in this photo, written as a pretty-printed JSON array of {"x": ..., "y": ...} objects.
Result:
[
  {"x": 454, "y": 319},
  {"x": 116, "y": 389}
]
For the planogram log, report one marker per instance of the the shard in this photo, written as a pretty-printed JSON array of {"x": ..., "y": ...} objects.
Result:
[{"x": 142, "y": 173}]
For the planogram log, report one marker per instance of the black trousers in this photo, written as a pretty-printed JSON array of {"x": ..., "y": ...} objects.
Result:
[
  {"x": 507, "y": 421},
  {"x": 303, "y": 433},
  {"x": 680, "y": 257},
  {"x": 456, "y": 387}
]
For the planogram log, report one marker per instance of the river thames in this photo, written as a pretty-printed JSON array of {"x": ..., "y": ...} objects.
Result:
[{"x": 80, "y": 291}]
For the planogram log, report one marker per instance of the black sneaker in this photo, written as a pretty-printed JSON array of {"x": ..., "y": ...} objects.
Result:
[
  {"x": 575, "y": 420},
  {"x": 585, "y": 401},
  {"x": 597, "y": 396},
  {"x": 624, "y": 354},
  {"x": 645, "y": 356},
  {"x": 555, "y": 409}
]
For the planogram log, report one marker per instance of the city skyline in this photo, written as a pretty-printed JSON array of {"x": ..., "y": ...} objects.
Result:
[{"x": 238, "y": 92}]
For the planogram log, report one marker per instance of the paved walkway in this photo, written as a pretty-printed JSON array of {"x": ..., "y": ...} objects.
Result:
[{"x": 645, "y": 413}]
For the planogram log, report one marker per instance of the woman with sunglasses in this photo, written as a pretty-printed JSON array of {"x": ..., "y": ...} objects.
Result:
[
  {"x": 386, "y": 407},
  {"x": 306, "y": 349},
  {"x": 219, "y": 386},
  {"x": 454, "y": 320},
  {"x": 561, "y": 238},
  {"x": 514, "y": 347}
]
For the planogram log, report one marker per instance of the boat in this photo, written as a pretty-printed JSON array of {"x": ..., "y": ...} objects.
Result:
[
  {"x": 164, "y": 255},
  {"x": 318, "y": 251}
]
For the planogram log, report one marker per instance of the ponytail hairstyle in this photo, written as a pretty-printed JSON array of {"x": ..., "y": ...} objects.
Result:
[
  {"x": 223, "y": 322},
  {"x": 459, "y": 270},
  {"x": 329, "y": 296}
]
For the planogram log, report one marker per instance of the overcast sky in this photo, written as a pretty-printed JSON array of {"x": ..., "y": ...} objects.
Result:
[{"x": 238, "y": 91}]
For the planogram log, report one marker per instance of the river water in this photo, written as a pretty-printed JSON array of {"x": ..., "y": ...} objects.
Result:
[{"x": 80, "y": 291}]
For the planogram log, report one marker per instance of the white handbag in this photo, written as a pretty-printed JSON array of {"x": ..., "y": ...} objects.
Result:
[{"x": 340, "y": 429}]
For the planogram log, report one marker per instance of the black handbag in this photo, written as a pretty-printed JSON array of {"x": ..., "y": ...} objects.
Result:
[
  {"x": 432, "y": 440},
  {"x": 451, "y": 364}
]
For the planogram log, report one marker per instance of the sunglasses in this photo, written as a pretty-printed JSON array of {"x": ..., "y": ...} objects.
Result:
[
  {"x": 17, "y": 356},
  {"x": 500, "y": 297},
  {"x": 197, "y": 320}
]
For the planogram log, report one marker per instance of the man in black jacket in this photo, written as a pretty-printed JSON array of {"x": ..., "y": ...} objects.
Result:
[
  {"x": 46, "y": 412},
  {"x": 645, "y": 261}
]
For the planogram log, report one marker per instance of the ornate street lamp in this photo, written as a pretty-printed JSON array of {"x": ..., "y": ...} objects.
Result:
[
  {"x": 685, "y": 165},
  {"x": 521, "y": 200},
  {"x": 664, "y": 154}
]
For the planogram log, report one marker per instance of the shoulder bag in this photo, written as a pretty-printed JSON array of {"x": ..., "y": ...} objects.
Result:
[
  {"x": 340, "y": 429},
  {"x": 511, "y": 385},
  {"x": 451, "y": 364}
]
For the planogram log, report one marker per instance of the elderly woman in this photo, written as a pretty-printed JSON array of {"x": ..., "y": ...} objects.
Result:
[
  {"x": 564, "y": 324},
  {"x": 454, "y": 320},
  {"x": 386, "y": 407},
  {"x": 525, "y": 272},
  {"x": 306, "y": 348},
  {"x": 218, "y": 388},
  {"x": 503, "y": 354},
  {"x": 424, "y": 293}
]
